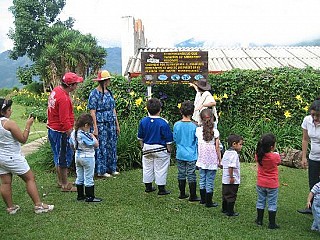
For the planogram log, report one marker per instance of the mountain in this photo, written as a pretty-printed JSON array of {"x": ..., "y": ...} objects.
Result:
[{"x": 8, "y": 67}]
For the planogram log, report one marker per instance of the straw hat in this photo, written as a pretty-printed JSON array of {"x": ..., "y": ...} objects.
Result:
[{"x": 103, "y": 75}]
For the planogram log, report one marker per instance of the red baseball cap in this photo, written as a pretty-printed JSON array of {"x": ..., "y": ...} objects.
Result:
[{"x": 70, "y": 78}]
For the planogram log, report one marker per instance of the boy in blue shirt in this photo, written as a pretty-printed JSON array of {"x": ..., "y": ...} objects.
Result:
[
  {"x": 184, "y": 135},
  {"x": 155, "y": 137}
]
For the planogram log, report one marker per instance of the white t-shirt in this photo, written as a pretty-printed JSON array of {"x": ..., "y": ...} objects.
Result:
[
  {"x": 314, "y": 136},
  {"x": 230, "y": 159}
]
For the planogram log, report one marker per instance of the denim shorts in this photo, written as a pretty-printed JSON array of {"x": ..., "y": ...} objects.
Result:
[{"x": 62, "y": 152}]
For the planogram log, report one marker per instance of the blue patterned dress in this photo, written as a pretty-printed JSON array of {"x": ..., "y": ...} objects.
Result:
[{"x": 106, "y": 154}]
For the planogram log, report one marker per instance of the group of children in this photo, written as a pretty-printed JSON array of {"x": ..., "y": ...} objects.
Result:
[{"x": 198, "y": 146}]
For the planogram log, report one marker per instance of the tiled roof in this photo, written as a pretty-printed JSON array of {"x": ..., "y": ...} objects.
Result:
[{"x": 224, "y": 59}]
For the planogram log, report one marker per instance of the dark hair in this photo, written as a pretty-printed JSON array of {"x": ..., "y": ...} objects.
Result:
[
  {"x": 315, "y": 106},
  {"x": 187, "y": 108},
  {"x": 234, "y": 138},
  {"x": 264, "y": 146},
  {"x": 4, "y": 105},
  {"x": 207, "y": 124},
  {"x": 82, "y": 120},
  {"x": 153, "y": 106}
]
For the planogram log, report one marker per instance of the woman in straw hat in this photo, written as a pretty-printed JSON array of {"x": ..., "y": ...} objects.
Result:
[
  {"x": 105, "y": 125},
  {"x": 203, "y": 100}
]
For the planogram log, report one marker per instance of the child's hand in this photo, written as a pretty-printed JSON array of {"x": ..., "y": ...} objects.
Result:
[
  {"x": 231, "y": 180},
  {"x": 309, "y": 204}
]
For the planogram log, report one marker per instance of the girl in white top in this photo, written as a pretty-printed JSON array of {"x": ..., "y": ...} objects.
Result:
[
  {"x": 203, "y": 100},
  {"x": 12, "y": 162},
  {"x": 209, "y": 156}
]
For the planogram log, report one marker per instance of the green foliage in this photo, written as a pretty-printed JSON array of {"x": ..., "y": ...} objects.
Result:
[
  {"x": 34, "y": 87},
  {"x": 250, "y": 103}
]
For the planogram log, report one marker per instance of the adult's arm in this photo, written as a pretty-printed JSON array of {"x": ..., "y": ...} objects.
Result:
[
  {"x": 117, "y": 122},
  {"x": 95, "y": 128},
  {"x": 21, "y": 136},
  {"x": 304, "y": 147}
]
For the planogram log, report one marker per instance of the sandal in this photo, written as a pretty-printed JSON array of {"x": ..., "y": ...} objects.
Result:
[
  {"x": 43, "y": 208},
  {"x": 69, "y": 188},
  {"x": 13, "y": 210}
]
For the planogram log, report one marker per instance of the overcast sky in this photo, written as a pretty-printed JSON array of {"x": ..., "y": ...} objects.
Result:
[{"x": 168, "y": 22}]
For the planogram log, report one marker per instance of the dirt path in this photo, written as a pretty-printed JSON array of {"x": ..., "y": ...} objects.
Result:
[{"x": 31, "y": 147}]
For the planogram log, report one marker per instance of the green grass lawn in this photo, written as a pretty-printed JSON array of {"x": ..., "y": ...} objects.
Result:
[
  {"x": 37, "y": 130},
  {"x": 128, "y": 213}
]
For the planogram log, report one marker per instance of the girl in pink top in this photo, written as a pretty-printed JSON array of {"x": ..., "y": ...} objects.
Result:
[{"x": 267, "y": 178}]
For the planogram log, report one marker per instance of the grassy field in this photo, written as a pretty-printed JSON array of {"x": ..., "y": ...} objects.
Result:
[
  {"x": 38, "y": 129},
  {"x": 128, "y": 213}
]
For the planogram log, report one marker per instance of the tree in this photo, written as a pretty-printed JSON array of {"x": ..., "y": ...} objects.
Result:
[{"x": 50, "y": 43}]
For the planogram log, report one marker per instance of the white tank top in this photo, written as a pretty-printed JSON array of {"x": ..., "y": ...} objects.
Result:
[{"x": 8, "y": 145}]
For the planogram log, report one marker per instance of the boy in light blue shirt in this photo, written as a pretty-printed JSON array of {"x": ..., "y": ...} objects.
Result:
[{"x": 184, "y": 135}]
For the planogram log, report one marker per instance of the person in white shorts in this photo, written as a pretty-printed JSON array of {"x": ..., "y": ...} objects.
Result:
[{"x": 12, "y": 162}]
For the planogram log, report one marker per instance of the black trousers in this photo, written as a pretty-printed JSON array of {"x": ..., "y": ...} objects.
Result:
[
  {"x": 229, "y": 192},
  {"x": 313, "y": 172}
]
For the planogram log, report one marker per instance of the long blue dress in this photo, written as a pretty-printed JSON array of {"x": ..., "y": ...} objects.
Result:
[{"x": 106, "y": 154}]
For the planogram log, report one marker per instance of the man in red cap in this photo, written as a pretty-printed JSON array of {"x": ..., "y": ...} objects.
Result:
[{"x": 60, "y": 125}]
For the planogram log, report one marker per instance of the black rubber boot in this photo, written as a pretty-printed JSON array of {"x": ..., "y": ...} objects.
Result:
[
  {"x": 203, "y": 193},
  {"x": 162, "y": 190},
  {"x": 230, "y": 210},
  {"x": 193, "y": 192},
  {"x": 259, "y": 219},
  {"x": 182, "y": 188},
  {"x": 272, "y": 220},
  {"x": 80, "y": 190},
  {"x": 209, "y": 202},
  {"x": 224, "y": 206},
  {"x": 149, "y": 188},
  {"x": 90, "y": 195}
]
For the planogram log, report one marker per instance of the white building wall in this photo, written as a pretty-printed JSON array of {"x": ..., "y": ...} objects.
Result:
[{"x": 127, "y": 41}]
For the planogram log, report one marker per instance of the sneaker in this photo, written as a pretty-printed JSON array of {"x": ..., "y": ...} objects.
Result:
[
  {"x": 43, "y": 208},
  {"x": 115, "y": 173},
  {"x": 13, "y": 210},
  {"x": 106, "y": 175}
]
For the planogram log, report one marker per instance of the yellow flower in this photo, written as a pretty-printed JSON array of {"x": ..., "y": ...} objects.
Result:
[
  {"x": 278, "y": 103},
  {"x": 138, "y": 101},
  {"x": 306, "y": 108},
  {"x": 287, "y": 114},
  {"x": 132, "y": 93},
  {"x": 179, "y": 105},
  {"x": 299, "y": 98},
  {"x": 79, "y": 108},
  {"x": 225, "y": 96},
  {"x": 215, "y": 97}
]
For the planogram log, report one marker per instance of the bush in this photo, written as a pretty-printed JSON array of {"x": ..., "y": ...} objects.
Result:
[{"x": 249, "y": 103}]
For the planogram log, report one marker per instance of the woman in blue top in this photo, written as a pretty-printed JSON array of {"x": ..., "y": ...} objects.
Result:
[{"x": 105, "y": 125}]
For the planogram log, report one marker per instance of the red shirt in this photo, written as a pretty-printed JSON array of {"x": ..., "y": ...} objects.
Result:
[
  {"x": 267, "y": 176},
  {"x": 60, "y": 110}
]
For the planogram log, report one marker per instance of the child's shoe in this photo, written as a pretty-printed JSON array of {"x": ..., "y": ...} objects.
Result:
[
  {"x": 13, "y": 210},
  {"x": 162, "y": 190},
  {"x": 149, "y": 188},
  {"x": 43, "y": 208}
]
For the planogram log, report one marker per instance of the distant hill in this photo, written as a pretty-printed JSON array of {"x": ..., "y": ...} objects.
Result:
[{"x": 8, "y": 67}]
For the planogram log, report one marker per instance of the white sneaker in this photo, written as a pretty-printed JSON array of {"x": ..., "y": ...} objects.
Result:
[
  {"x": 106, "y": 175},
  {"x": 13, "y": 210},
  {"x": 43, "y": 209},
  {"x": 115, "y": 173}
]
